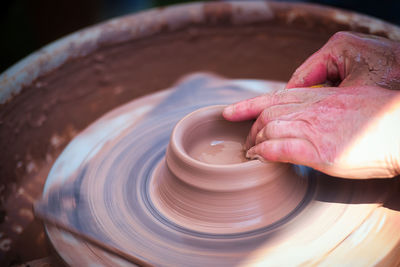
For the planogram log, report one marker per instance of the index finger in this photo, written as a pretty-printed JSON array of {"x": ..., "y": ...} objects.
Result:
[
  {"x": 247, "y": 109},
  {"x": 252, "y": 108}
]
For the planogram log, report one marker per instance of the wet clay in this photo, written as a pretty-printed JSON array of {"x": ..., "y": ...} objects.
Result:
[
  {"x": 139, "y": 191},
  {"x": 58, "y": 105},
  {"x": 211, "y": 191},
  {"x": 220, "y": 151},
  {"x": 217, "y": 141},
  {"x": 131, "y": 57}
]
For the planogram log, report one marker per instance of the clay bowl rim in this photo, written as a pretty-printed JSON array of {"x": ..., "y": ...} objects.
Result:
[
  {"x": 216, "y": 111},
  {"x": 231, "y": 177}
]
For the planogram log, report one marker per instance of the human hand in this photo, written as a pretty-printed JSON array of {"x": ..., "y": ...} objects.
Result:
[
  {"x": 348, "y": 131},
  {"x": 351, "y": 59},
  {"x": 351, "y": 132}
]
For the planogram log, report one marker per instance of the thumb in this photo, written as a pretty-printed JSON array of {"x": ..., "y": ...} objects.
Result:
[{"x": 318, "y": 69}]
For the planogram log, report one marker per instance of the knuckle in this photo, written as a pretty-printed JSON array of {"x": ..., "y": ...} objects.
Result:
[
  {"x": 340, "y": 40},
  {"x": 344, "y": 38},
  {"x": 341, "y": 35},
  {"x": 272, "y": 113},
  {"x": 278, "y": 96},
  {"x": 265, "y": 115}
]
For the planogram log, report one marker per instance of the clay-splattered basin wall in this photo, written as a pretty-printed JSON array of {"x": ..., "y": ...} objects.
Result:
[{"x": 50, "y": 96}]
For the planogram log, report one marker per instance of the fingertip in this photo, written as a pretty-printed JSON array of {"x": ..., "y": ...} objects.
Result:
[
  {"x": 259, "y": 152},
  {"x": 228, "y": 112}
]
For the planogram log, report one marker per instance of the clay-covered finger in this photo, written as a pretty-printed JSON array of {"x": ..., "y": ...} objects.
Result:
[
  {"x": 350, "y": 59},
  {"x": 293, "y": 150},
  {"x": 321, "y": 68},
  {"x": 279, "y": 129},
  {"x": 311, "y": 72},
  {"x": 270, "y": 114},
  {"x": 247, "y": 109},
  {"x": 252, "y": 108},
  {"x": 327, "y": 64}
]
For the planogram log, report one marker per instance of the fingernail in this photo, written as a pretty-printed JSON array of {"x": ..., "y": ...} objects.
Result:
[{"x": 228, "y": 111}]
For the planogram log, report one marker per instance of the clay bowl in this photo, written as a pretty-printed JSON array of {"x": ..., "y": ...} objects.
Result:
[
  {"x": 206, "y": 164},
  {"x": 51, "y": 95}
]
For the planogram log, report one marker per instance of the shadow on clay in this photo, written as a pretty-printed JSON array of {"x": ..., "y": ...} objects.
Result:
[{"x": 352, "y": 191}]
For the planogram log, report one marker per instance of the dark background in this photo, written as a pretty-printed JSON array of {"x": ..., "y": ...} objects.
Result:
[{"x": 27, "y": 25}]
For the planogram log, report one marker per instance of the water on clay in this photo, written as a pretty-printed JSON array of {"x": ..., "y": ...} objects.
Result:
[
  {"x": 219, "y": 151},
  {"x": 217, "y": 142},
  {"x": 113, "y": 194}
]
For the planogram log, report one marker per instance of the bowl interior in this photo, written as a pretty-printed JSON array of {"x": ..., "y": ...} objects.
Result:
[{"x": 213, "y": 140}]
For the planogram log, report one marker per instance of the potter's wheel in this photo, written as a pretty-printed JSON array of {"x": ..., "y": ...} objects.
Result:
[{"x": 102, "y": 186}]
